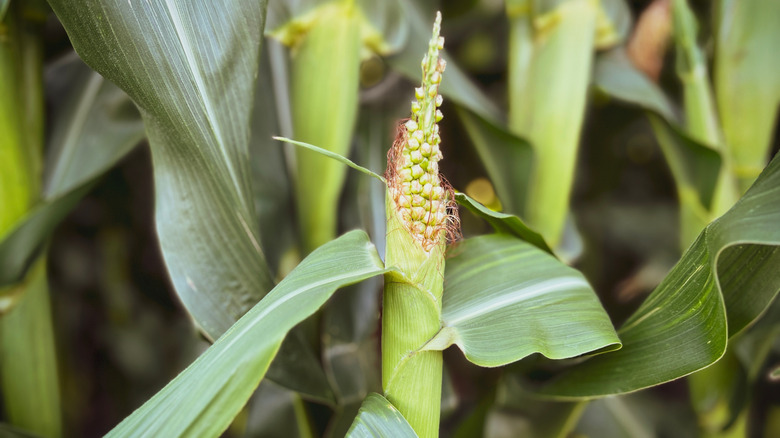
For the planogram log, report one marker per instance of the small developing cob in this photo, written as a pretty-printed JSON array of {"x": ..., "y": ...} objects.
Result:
[
  {"x": 413, "y": 177},
  {"x": 417, "y": 205}
]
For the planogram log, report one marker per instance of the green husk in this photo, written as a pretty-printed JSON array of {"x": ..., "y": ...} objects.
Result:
[
  {"x": 416, "y": 206},
  {"x": 325, "y": 70},
  {"x": 747, "y": 83},
  {"x": 550, "y": 47}
]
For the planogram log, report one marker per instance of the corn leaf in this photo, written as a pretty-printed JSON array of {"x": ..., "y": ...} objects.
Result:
[
  {"x": 191, "y": 70},
  {"x": 533, "y": 303},
  {"x": 502, "y": 222},
  {"x": 725, "y": 280},
  {"x": 378, "y": 418},
  {"x": 204, "y": 398}
]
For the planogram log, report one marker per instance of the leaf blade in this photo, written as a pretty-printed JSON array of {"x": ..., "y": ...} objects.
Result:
[
  {"x": 378, "y": 418},
  {"x": 533, "y": 304},
  {"x": 191, "y": 70},
  {"x": 205, "y": 397}
]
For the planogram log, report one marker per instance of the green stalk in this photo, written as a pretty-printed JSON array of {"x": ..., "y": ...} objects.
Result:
[
  {"x": 416, "y": 205},
  {"x": 701, "y": 118},
  {"x": 28, "y": 368},
  {"x": 549, "y": 79},
  {"x": 747, "y": 81},
  {"x": 325, "y": 70}
]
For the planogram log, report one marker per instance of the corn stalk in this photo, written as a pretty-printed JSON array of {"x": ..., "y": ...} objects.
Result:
[
  {"x": 27, "y": 358},
  {"x": 416, "y": 205}
]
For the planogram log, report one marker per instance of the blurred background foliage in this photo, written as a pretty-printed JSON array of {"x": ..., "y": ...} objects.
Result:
[{"x": 122, "y": 334}]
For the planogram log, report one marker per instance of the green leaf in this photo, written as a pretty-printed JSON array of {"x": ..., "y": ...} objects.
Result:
[
  {"x": 191, "y": 70},
  {"x": 334, "y": 156},
  {"x": 725, "y": 280},
  {"x": 506, "y": 299},
  {"x": 378, "y": 418},
  {"x": 95, "y": 125},
  {"x": 616, "y": 75},
  {"x": 508, "y": 159},
  {"x": 204, "y": 398},
  {"x": 502, "y": 222}
]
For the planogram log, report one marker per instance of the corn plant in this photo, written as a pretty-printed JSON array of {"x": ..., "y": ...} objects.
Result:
[{"x": 284, "y": 259}]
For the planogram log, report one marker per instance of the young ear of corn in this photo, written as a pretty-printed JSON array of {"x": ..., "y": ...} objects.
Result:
[
  {"x": 325, "y": 70},
  {"x": 418, "y": 221},
  {"x": 550, "y": 58}
]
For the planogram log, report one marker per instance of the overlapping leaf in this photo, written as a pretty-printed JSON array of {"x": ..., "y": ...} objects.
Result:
[
  {"x": 378, "y": 418},
  {"x": 725, "y": 280},
  {"x": 505, "y": 299},
  {"x": 190, "y": 66},
  {"x": 205, "y": 397}
]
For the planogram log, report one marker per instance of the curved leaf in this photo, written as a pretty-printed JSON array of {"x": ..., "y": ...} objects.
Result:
[
  {"x": 204, "y": 398},
  {"x": 505, "y": 299},
  {"x": 378, "y": 418},
  {"x": 94, "y": 127},
  {"x": 502, "y": 222},
  {"x": 725, "y": 280},
  {"x": 190, "y": 67}
]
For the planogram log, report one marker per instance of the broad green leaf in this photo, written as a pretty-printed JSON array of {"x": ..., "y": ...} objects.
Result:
[
  {"x": 455, "y": 85},
  {"x": 505, "y": 299},
  {"x": 725, "y": 280},
  {"x": 746, "y": 81},
  {"x": 204, "y": 398},
  {"x": 94, "y": 125},
  {"x": 378, "y": 418},
  {"x": 508, "y": 159},
  {"x": 191, "y": 70},
  {"x": 502, "y": 222}
]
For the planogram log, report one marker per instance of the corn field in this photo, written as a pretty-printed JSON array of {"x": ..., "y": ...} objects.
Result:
[{"x": 390, "y": 218}]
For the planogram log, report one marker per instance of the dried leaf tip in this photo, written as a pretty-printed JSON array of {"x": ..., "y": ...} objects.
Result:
[{"x": 414, "y": 183}]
